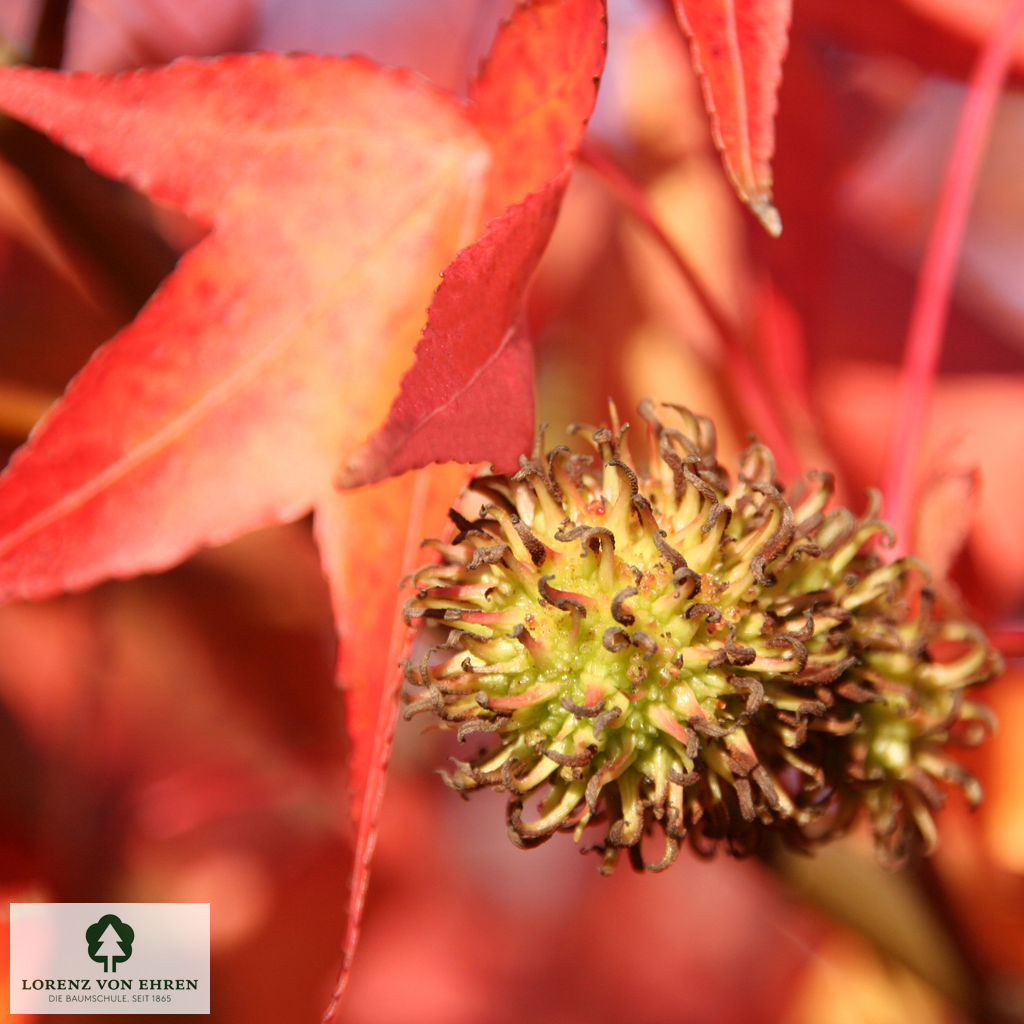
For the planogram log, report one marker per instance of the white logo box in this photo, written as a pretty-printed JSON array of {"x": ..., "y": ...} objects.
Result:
[{"x": 110, "y": 958}]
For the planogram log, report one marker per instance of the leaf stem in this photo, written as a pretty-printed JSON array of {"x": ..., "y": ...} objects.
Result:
[
  {"x": 760, "y": 408},
  {"x": 934, "y": 287}
]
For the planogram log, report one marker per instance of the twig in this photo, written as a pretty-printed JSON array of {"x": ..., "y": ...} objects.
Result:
[
  {"x": 759, "y": 405},
  {"x": 931, "y": 302}
]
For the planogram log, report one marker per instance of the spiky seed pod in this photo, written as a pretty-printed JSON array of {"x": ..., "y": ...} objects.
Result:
[{"x": 678, "y": 652}]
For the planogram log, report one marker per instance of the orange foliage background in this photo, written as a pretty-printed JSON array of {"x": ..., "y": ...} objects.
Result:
[{"x": 177, "y": 737}]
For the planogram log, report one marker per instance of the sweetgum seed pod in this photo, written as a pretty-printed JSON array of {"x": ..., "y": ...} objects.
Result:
[{"x": 669, "y": 651}]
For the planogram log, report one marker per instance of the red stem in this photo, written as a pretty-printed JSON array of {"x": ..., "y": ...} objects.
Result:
[
  {"x": 759, "y": 406},
  {"x": 934, "y": 286}
]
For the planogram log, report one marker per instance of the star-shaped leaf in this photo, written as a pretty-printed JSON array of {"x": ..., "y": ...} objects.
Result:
[{"x": 283, "y": 350}]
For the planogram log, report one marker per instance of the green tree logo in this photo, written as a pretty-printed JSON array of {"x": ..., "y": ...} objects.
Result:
[{"x": 110, "y": 941}]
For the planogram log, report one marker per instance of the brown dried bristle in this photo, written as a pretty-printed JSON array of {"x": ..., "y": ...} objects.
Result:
[{"x": 676, "y": 652}]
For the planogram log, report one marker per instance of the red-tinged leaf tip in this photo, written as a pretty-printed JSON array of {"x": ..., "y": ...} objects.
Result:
[
  {"x": 738, "y": 47},
  {"x": 535, "y": 93},
  {"x": 366, "y": 536},
  {"x": 469, "y": 395},
  {"x": 470, "y": 392},
  {"x": 279, "y": 339}
]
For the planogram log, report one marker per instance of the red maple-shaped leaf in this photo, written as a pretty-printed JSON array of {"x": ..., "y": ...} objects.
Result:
[
  {"x": 474, "y": 352},
  {"x": 336, "y": 192},
  {"x": 283, "y": 348},
  {"x": 738, "y": 47}
]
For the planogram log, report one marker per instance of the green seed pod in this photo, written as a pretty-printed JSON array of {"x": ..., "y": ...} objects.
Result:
[{"x": 676, "y": 652}]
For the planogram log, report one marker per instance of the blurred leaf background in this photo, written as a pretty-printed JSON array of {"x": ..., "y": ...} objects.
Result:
[{"x": 178, "y": 738}]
